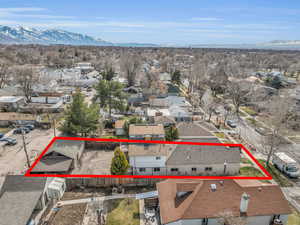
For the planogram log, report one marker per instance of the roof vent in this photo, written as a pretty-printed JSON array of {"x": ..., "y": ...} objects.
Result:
[
  {"x": 259, "y": 189},
  {"x": 221, "y": 182},
  {"x": 213, "y": 187}
]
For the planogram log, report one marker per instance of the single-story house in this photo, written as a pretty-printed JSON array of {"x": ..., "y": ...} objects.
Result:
[
  {"x": 194, "y": 202},
  {"x": 11, "y": 103},
  {"x": 153, "y": 112},
  {"x": 207, "y": 160},
  {"x": 147, "y": 159},
  {"x": 61, "y": 158},
  {"x": 119, "y": 127},
  {"x": 165, "y": 77},
  {"x": 180, "y": 114},
  {"x": 10, "y": 118},
  {"x": 22, "y": 200},
  {"x": 148, "y": 132},
  {"x": 188, "y": 130}
]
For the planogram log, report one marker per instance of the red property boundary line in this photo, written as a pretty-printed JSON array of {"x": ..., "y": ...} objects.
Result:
[{"x": 266, "y": 173}]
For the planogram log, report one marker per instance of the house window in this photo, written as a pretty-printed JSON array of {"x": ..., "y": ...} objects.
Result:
[
  {"x": 204, "y": 221},
  {"x": 157, "y": 158},
  {"x": 156, "y": 169},
  {"x": 142, "y": 169},
  {"x": 194, "y": 169},
  {"x": 208, "y": 168},
  {"x": 174, "y": 169}
]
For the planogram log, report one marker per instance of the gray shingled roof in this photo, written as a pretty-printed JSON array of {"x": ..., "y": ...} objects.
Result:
[
  {"x": 203, "y": 154},
  {"x": 18, "y": 198}
]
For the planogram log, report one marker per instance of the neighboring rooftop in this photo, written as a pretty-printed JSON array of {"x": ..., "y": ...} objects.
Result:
[
  {"x": 119, "y": 124},
  {"x": 10, "y": 99},
  {"x": 146, "y": 129},
  {"x": 147, "y": 150},
  {"x": 19, "y": 196},
  {"x": 195, "y": 199},
  {"x": 190, "y": 129}
]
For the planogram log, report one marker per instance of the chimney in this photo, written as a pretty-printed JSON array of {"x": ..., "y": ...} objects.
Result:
[{"x": 244, "y": 203}]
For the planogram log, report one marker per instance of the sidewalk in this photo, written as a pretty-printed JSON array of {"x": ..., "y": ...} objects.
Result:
[{"x": 91, "y": 199}]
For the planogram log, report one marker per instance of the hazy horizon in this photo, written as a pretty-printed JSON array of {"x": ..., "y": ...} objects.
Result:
[{"x": 194, "y": 22}]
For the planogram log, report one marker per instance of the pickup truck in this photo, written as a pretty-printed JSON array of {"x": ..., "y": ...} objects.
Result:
[{"x": 286, "y": 164}]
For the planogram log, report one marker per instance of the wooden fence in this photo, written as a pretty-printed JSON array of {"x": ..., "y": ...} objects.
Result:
[{"x": 110, "y": 182}]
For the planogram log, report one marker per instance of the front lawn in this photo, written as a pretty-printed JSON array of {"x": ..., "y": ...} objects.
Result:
[
  {"x": 220, "y": 135},
  {"x": 4, "y": 130},
  {"x": 248, "y": 110},
  {"x": 123, "y": 212},
  {"x": 248, "y": 171},
  {"x": 294, "y": 218}
]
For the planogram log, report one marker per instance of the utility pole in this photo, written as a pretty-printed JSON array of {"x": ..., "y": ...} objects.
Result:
[
  {"x": 25, "y": 149},
  {"x": 54, "y": 127}
]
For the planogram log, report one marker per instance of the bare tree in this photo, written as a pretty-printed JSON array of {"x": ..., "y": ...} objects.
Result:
[
  {"x": 279, "y": 110},
  {"x": 26, "y": 77},
  {"x": 130, "y": 65},
  {"x": 239, "y": 93},
  {"x": 3, "y": 73},
  {"x": 227, "y": 218}
]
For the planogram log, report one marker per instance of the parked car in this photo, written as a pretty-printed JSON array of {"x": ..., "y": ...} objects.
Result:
[
  {"x": 231, "y": 123},
  {"x": 29, "y": 126},
  {"x": 20, "y": 130},
  {"x": 262, "y": 131},
  {"x": 9, "y": 141},
  {"x": 1, "y": 135}
]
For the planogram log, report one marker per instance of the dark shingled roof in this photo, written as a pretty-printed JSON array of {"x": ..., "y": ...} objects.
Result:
[
  {"x": 190, "y": 129},
  {"x": 203, "y": 154},
  {"x": 19, "y": 196}
]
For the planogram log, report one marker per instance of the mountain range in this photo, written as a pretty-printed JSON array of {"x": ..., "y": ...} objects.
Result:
[{"x": 22, "y": 35}]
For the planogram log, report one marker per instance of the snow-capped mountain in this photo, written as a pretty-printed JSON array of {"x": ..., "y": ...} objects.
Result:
[{"x": 22, "y": 35}]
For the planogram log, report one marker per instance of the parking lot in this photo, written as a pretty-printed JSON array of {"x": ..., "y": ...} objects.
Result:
[{"x": 13, "y": 158}]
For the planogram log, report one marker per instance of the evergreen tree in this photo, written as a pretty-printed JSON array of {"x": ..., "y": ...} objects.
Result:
[
  {"x": 176, "y": 77},
  {"x": 119, "y": 163},
  {"x": 79, "y": 117},
  {"x": 108, "y": 74},
  {"x": 171, "y": 133},
  {"x": 110, "y": 94}
]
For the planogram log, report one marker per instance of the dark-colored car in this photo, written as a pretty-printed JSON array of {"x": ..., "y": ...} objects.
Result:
[
  {"x": 29, "y": 126},
  {"x": 20, "y": 130},
  {"x": 1, "y": 135},
  {"x": 9, "y": 141},
  {"x": 231, "y": 123}
]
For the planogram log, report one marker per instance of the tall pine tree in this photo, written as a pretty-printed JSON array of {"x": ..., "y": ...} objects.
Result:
[{"x": 80, "y": 119}]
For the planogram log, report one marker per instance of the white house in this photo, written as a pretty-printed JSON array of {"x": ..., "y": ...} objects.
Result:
[
  {"x": 203, "y": 202},
  {"x": 147, "y": 159}
]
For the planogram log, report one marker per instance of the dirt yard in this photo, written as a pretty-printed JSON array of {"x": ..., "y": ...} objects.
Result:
[
  {"x": 95, "y": 162},
  {"x": 69, "y": 214}
]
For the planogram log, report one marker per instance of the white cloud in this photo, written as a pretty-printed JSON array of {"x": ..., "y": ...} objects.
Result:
[{"x": 25, "y": 9}]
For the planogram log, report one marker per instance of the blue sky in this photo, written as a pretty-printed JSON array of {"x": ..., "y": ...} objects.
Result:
[{"x": 163, "y": 21}]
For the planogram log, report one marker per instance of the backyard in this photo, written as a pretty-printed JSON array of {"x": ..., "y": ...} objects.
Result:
[{"x": 123, "y": 212}]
